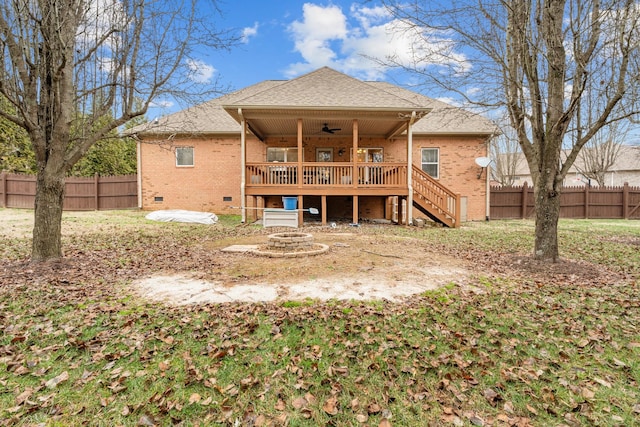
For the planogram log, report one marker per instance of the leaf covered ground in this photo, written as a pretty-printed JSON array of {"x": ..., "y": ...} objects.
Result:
[{"x": 514, "y": 343}]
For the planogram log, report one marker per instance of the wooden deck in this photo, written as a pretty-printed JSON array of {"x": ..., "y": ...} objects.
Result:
[
  {"x": 347, "y": 179},
  {"x": 331, "y": 179}
]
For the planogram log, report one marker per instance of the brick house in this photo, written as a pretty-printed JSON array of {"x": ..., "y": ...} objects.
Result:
[{"x": 354, "y": 150}]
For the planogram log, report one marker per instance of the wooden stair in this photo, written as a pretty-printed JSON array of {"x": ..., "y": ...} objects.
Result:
[{"x": 434, "y": 199}]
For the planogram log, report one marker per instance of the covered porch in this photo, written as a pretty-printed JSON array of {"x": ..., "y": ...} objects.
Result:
[
  {"x": 313, "y": 173},
  {"x": 326, "y": 135}
]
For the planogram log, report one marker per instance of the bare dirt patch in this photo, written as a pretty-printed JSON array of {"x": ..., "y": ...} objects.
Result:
[
  {"x": 155, "y": 262},
  {"x": 356, "y": 267}
]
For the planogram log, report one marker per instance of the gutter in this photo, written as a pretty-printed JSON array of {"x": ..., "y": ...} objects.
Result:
[{"x": 243, "y": 165}]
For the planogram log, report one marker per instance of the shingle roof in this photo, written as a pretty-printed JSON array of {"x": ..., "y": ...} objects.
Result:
[
  {"x": 324, "y": 88},
  {"x": 206, "y": 118}
]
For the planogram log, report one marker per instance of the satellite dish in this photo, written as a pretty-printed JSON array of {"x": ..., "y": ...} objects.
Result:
[{"x": 483, "y": 162}]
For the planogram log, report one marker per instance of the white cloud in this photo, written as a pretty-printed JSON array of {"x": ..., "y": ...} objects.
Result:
[
  {"x": 249, "y": 32},
  {"x": 199, "y": 71},
  {"x": 325, "y": 37},
  {"x": 161, "y": 104},
  {"x": 313, "y": 36}
]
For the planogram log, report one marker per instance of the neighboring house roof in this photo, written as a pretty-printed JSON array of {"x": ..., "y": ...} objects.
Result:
[
  {"x": 322, "y": 90},
  {"x": 628, "y": 160}
]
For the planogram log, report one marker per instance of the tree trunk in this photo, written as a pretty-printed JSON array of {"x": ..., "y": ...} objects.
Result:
[
  {"x": 47, "y": 241},
  {"x": 547, "y": 215}
]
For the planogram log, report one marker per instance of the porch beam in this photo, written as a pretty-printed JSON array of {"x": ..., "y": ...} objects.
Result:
[
  {"x": 257, "y": 133},
  {"x": 345, "y": 114},
  {"x": 397, "y": 130}
]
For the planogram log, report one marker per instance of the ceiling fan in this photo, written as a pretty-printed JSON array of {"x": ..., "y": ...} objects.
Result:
[{"x": 327, "y": 129}]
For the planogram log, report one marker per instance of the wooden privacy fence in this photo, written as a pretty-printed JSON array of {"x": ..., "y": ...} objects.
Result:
[
  {"x": 81, "y": 194},
  {"x": 575, "y": 202}
]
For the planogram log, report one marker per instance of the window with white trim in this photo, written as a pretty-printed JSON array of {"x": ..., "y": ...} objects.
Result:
[
  {"x": 282, "y": 154},
  {"x": 430, "y": 161},
  {"x": 184, "y": 156}
]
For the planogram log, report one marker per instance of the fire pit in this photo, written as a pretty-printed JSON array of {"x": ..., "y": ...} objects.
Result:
[
  {"x": 291, "y": 244},
  {"x": 290, "y": 241}
]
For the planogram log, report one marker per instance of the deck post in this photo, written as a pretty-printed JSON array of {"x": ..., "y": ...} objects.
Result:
[
  {"x": 300, "y": 210},
  {"x": 355, "y": 209},
  {"x": 323, "y": 205}
]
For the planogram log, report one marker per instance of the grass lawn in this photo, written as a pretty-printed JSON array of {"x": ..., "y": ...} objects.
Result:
[{"x": 517, "y": 344}]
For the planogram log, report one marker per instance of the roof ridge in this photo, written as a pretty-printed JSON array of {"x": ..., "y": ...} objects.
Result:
[{"x": 326, "y": 87}]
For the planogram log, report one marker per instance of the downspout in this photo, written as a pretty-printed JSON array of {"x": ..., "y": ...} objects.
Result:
[
  {"x": 410, "y": 168},
  {"x": 139, "y": 171},
  {"x": 487, "y": 202},
  {"x": 243, "y": 165}
]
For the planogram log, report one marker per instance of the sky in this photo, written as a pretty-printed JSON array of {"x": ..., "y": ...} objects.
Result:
[{"x": 284, "y": 39}]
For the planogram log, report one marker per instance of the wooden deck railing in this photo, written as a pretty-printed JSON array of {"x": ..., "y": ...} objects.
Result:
[
  {"x": 438, "y": 199},
  {"x": 336, "y": 174}
]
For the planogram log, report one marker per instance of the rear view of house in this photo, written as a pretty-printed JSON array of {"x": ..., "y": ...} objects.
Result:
[{"x": 354, "y": 150}]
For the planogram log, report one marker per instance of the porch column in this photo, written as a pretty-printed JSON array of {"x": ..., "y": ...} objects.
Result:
[
  {"x": 354, "y": 157},
  {"x": 243, "y": 166},
  {"x": 354, "y": 162},
  {"x": 410, "y": 168},
  {"x": 300, "y": 158},
  {"x": 299, "y": 174}
]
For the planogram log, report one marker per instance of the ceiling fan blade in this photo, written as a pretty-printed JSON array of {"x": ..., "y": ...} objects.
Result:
[{"x": 326, "y": 129}]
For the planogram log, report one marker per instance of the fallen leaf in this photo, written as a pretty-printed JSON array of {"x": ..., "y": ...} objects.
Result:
[
  {"x": 362, "y": 418},
  {"x": 588, "y": 393},
  {"x": 491, "y": 396},
  {"x": 373, "y": 408},
  {"x": 299, "y": 402},
  {"x": 603, "y": 382},
  {"x": 146, "y": 420},
  {"x": 55, "y": 381},
  {"x": 194, "y": 398},
  {"x": 331, "y": 406}
]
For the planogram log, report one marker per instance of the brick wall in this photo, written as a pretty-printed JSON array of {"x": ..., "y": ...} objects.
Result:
[
  {"x": 203, "y": 187},
  {"x": 458, "y": 170},
  {"x": 216, "y": 172}
]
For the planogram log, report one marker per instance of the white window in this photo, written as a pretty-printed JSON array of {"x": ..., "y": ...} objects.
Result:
[
  {"x": 431, "y": 161},
  {"x": 282, "y": 154},
  {"x": 184, "y": 156}
]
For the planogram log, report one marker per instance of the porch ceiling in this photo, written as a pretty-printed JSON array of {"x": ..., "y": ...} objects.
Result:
[{"x": 283, "y": 122}]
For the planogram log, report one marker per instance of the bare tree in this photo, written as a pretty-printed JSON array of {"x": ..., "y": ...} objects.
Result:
[
  {"x": 506, "y": 156},
  {"x": 601, "y": 153},
  {"x": 68, "y": 64},
  {"x": 540, "y": 60}
]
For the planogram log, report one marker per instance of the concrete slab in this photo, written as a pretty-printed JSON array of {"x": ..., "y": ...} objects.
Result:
[{"x": 240, "y": 248}]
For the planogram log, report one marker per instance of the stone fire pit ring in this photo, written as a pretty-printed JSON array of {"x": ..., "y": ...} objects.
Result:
[{"x": 291, "y": 245}]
